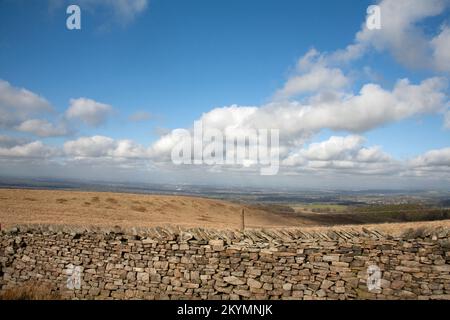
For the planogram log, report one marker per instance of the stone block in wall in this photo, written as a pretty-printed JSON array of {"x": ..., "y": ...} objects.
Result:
[{"x": 233, "y": 280}]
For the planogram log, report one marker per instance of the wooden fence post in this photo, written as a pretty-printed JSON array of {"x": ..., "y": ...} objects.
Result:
[{"x": 242, "y": 219}]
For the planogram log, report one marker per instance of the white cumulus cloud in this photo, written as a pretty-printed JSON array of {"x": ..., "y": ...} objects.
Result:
[
  {"x": 91, "y": 112},
  {"x": 297, "y": 122},
  {"x": 17, "y": 104},
  {"x": 103, "y": 147},
  {"x": 43, "y": 128},
  {"x": 339, "y": 152},
  {"x": 312, "y": 76},
  {"x": 34, "y": 149},
  {"x": 441, "y": 49},
  {"x": 433, "y": 158},
  {"x": 403, "y": 35}
]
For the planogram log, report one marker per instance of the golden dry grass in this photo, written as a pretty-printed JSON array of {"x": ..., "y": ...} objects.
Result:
[{"x": 23, "y": 206}]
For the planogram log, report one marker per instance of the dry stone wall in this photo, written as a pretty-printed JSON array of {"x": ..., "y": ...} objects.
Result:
[{"x": 165, "y": 263}]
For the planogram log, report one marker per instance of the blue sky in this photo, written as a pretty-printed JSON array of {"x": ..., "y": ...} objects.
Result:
[
  {"x": 176, "y": 60},
  {"x": 177, "y": 57}
]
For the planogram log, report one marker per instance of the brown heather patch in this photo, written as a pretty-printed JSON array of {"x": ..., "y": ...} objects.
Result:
[
  {"x": 138, "y": 208},
  {"x": 30, "y": 291},
  {"x": 112, "y": 200}
]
